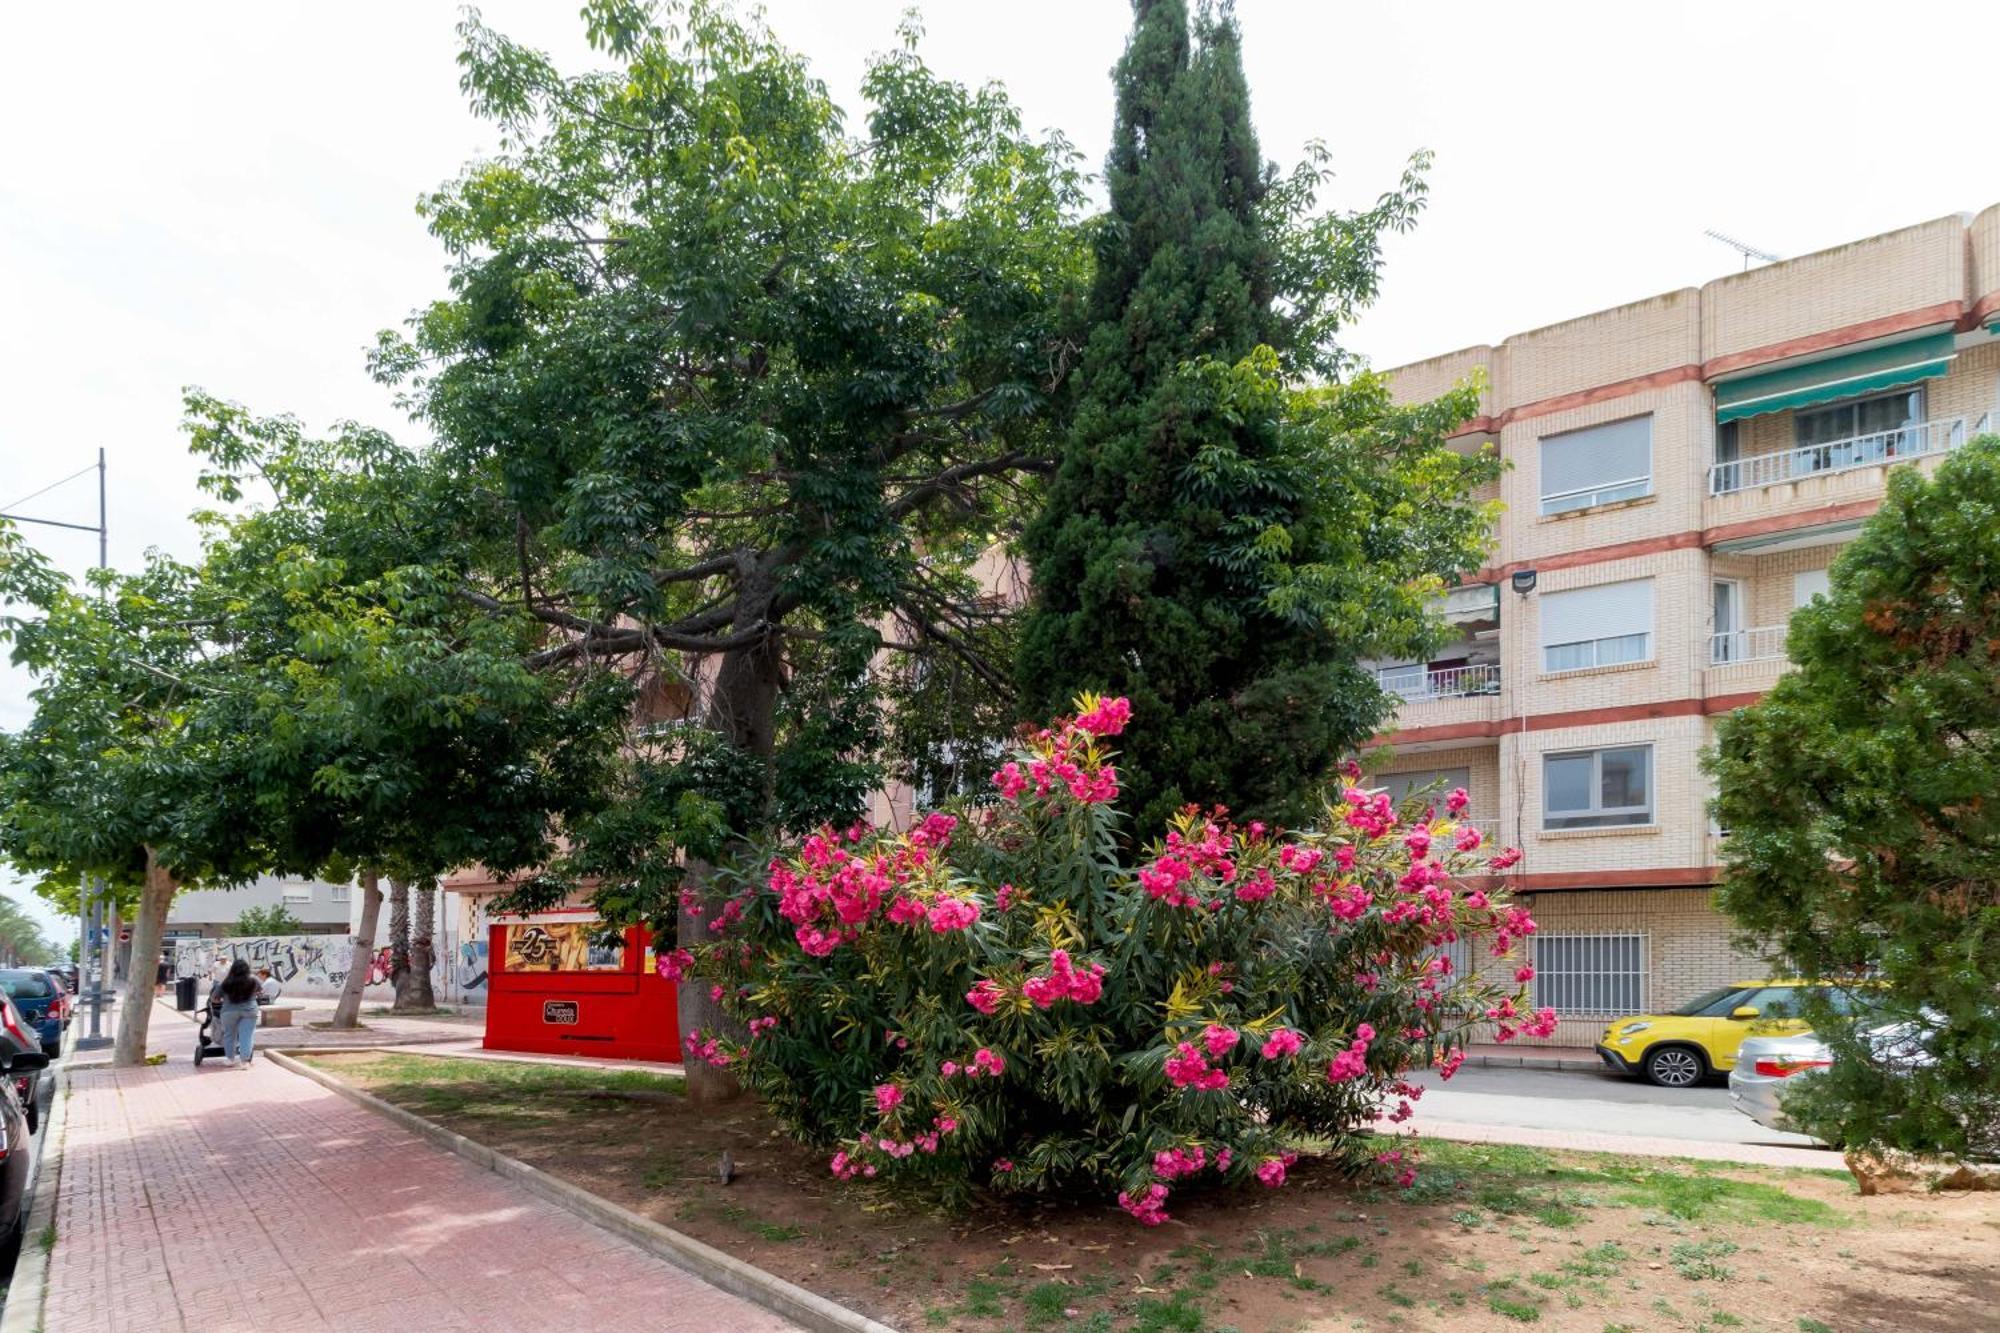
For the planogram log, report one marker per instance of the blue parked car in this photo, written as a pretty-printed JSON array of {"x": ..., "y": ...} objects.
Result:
[{"x": 41, "y": 1001}]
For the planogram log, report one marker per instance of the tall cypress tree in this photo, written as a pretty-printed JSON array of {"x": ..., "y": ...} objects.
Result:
[{"x": 1213, "y": 544}]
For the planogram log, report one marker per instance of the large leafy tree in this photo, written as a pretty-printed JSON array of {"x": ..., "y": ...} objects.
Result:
[
  {"x": 724, "y": 387},
  {"x": 386, "y": 725},
  {"x": 1859, "y": 794},
  {"x": 116, "y": 777},
  {"x": 1219, "y": 546}
]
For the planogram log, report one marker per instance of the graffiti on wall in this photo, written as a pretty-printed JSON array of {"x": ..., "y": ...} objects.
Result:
[
  {"x": 469, "y": 969},
  {"x": 303, "y": 964}
]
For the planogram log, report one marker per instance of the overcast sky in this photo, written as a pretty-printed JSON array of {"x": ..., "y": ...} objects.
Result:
[{"x": 221, "y": 194}]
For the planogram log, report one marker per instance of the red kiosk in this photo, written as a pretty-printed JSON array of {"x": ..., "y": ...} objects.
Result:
[{"x": 556, "y": 986}]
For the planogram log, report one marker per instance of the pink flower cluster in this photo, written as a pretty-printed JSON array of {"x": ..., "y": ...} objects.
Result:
[
  {"x": 1371, "y": 816},
  {"x": 1191, "y": 850},
  {"x": 1351, "y": 1063},
  {"x": 1150, "y": 1207},
  {"x": 887, "y": 1098},
  {"x": 984, "y": 1061},
  {"x": 1108, "y": 718},
  {"x": 1457, "y": 801},
  {"x": 985, "y": 996},
  {"x": 949, "y": 914},
  {"x": 1188, "y": 1068},
  {"x": 1065, "y": 757},
  {"x": 1177, "y": 1162},
  {"x": 1282, "y": 1043},
  {"x": 1219, "y": 1040},
  {"x": 1271, "y": 1171},
  {"x": 707, "y": 1050},
  {"x": 1064, "y": 982},
  {"x": 674, "y": 964},
  {"x": 833, "y": 890},
  {"x": 759, "y": 1026}
]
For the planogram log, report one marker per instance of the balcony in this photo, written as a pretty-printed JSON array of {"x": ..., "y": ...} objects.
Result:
[
  {"x": 1924, "y": 439},
  {"x": 1763, "y": 644},
  {"x": 1418, "y": 685}
]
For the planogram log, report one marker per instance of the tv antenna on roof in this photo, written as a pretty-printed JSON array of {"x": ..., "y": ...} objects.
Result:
[{"x": 1749, "y": 252}]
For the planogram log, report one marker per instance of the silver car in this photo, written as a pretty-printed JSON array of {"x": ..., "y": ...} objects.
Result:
[{"x": 1766, "y": 1067}]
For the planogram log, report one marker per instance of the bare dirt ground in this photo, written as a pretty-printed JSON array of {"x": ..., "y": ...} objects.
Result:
[{"x": 1492, "y": 1237}]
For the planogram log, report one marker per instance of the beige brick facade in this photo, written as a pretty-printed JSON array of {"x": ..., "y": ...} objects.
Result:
[{"x": 1765, "y": 529}]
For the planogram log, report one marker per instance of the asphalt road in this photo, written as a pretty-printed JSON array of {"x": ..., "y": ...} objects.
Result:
[{"x": 1593, "y": 1102}]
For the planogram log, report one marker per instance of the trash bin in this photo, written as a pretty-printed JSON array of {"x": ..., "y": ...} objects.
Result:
[{"x": 184, "y": 994}]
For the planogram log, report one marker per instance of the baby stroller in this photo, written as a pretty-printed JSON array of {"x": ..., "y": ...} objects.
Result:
[{"x": 206, "y": 1044}]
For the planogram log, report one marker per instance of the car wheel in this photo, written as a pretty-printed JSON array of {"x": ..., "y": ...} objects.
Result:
[{"x": 1674, "y": 1067}]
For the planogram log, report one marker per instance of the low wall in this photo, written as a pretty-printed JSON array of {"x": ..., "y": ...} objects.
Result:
[{"x": 306, "y": 965}]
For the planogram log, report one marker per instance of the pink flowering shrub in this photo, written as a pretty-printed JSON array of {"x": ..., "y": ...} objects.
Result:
[{"x": 1003, "y": 998}]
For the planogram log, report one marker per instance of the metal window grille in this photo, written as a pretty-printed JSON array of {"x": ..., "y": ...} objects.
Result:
[{"x": 1591, "y": 974}]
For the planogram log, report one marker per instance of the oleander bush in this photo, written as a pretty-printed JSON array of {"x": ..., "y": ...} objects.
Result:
[{"x": 1002, "y": 997}]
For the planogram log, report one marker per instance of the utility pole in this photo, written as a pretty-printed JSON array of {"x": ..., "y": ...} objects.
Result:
[{"x": 97, "y": 893}]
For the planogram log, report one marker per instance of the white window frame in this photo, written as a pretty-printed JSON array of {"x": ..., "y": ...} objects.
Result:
[
  {"x": 295, "y": 893},
  {"x": 1595, "y": 810},
  {"x": 342, "y": 893},
  {"x": 1726, "y": 642},
  {"x": 1605, "y": 492},
  {"x": 1588, "y": 654},
  {"x": 1600, "y": 986}
]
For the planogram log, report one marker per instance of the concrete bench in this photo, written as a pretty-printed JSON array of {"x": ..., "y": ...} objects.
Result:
[{"x": 277, "y": 1014}]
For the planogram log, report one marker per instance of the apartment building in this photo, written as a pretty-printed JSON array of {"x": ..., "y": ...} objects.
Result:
[{"x": 1683, "y": 471}]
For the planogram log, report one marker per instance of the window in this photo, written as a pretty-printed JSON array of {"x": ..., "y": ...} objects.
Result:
[
  {"x": 1600, "y": 626},
  {"x": 1591, "y": 974},
  {"x": 298, "y": 893},
  {"x": 1598, "y": 788},
  {"x": 1725, "y": 642},
  {"x": 1854, "y": 433},
  {"x": 1810, "y": 583},
  {"x": 341, "y": 892},
  {"x": 1597, "y": 465},
  {"x": 1438, "y": 782}
]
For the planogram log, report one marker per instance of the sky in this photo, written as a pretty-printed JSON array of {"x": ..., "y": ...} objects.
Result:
[{"x": 223, "y": 195}]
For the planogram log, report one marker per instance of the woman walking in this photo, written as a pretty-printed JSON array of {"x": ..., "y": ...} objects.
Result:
[{"x": 238, "y": 993}]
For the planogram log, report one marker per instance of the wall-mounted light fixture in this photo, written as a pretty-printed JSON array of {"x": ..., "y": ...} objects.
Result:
[{"x": 1524, "y": 581}]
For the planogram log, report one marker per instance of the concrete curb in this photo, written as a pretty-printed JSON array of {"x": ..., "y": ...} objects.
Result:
[
  {"x": 1584, "y": 1063},
  {"x": 704, "y": 1261},
  {"x": 30, "y": 1285}
]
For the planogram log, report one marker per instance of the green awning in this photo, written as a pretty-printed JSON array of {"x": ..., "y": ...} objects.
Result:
[
  {"x": 1841, "y": 376},
  {"x": 1994, "y": 328}
]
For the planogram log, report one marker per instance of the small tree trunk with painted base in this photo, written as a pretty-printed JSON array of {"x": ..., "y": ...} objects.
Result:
[
  {"x": 149, "y": 927},
  {"x": 413, "y": 991},
  {"x": 347, "y": 1011}
]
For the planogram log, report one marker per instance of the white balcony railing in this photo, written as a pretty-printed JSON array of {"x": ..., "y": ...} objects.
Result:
[
  {"x": 1417, "y": 684},
  {"x": 1816, "y": 460},
  {"x": 1747, "y": 645}
]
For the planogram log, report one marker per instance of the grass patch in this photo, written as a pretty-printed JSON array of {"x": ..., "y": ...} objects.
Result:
[
  {"x": 433, "y": 1085},
  {"x": 1511, "y": 1180},
  {"x": 1701, "y": 1260},
  {"x": 46, "y": 1238}
]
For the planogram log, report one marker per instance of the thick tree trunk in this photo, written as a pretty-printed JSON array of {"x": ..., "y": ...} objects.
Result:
[
  {"x": 744, "y": 708},
  {"x": 347, "y": 1010},
  {"x": 399, "y": 933},
  {"x": 148, "y": 929},
  {"x": 414, "y": 991}
]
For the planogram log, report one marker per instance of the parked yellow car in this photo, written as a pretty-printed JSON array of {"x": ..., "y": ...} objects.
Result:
[{"x": 1681, "y": 1048}]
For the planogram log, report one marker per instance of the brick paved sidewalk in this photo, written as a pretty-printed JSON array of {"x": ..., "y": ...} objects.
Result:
[{"x": 216, "y": 1200}]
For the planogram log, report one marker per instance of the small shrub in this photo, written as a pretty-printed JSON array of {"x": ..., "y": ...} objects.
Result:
[{"x": 1005, "y": 998}]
